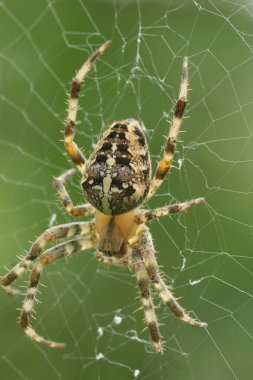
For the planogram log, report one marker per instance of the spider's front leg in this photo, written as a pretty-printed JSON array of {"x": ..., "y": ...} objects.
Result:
[
  {"x": 61, "y": 250},
  {"x": 51, "y": 234},
  {"x": 147, "y": 253},
  {"x": 143, "y": 281}
]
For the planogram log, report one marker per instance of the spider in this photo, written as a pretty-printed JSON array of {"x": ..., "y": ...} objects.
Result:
[{"x": 116, "y": 180}]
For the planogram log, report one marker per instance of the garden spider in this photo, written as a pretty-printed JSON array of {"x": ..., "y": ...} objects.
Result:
[{"x": 116, "y": 181}]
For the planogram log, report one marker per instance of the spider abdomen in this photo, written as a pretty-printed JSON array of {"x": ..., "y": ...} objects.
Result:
[{"x": 117, "y": 174}]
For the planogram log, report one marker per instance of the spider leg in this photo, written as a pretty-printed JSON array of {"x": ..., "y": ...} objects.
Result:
[
  {"x": 80, "y": 210},
  {"x": 71, "y": 147},
  {"x": 51, "y": 234},
  {"x": 146, "y": 215},
  {"x": 111, "y": 260},
  {"x": 147, "y": 252},
  {"x": 165, "y": 164},
  {"x": 146, "y": 299},
  {"x": 61, "y": 250}
]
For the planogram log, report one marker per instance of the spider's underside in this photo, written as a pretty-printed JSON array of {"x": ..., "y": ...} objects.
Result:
[{"x": 116, "y": 180}]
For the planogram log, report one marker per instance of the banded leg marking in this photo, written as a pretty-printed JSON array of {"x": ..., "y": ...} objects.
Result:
[
  {"x": 110, "y": 260},
  {"x": 71, "y": 147},
  {"x": 147, "y": 252},
  {"x": 52, "y": 234},
  {"x": 146, "y": 215},
  {"x": 165, "y": 164},
  {"x": 80, "y": 210},
  {"x": 61, "y": 250},
  {"x": 146, "y": 299}
]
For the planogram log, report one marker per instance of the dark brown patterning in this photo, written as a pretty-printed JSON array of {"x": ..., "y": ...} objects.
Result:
[
  {"x": 117, "y": 176},
  {"x": 116, "y": 181}
]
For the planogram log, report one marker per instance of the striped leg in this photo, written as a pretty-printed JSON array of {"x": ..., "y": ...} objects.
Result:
[
  {"x": 111, "y": 260},
  {"x": 80, "y": 210},
  {"x": 61, "y": 250},
  {"x": 147, "y": 252},
  {"x": 146, "y": 299},
  {"x": 72, "y": 149},
  {"x": 146, "y": 215},
  {"x": 165, "y": 164},
  {"x": 52, "y": 234}
]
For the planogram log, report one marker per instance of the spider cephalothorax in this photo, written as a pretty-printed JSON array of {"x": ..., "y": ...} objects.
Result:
[{"x": 116, "y": 180}]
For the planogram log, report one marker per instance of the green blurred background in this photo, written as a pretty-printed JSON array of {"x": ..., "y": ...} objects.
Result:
[{"x": 206, "y": 253}]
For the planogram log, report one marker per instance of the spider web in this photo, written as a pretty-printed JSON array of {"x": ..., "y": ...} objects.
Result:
[{"x": 205, "y": 253}]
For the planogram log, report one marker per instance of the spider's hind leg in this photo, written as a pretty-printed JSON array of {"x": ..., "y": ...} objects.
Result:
[
  {"x": 71, "y": 147},
  {"x": 164, "y": 165}
]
